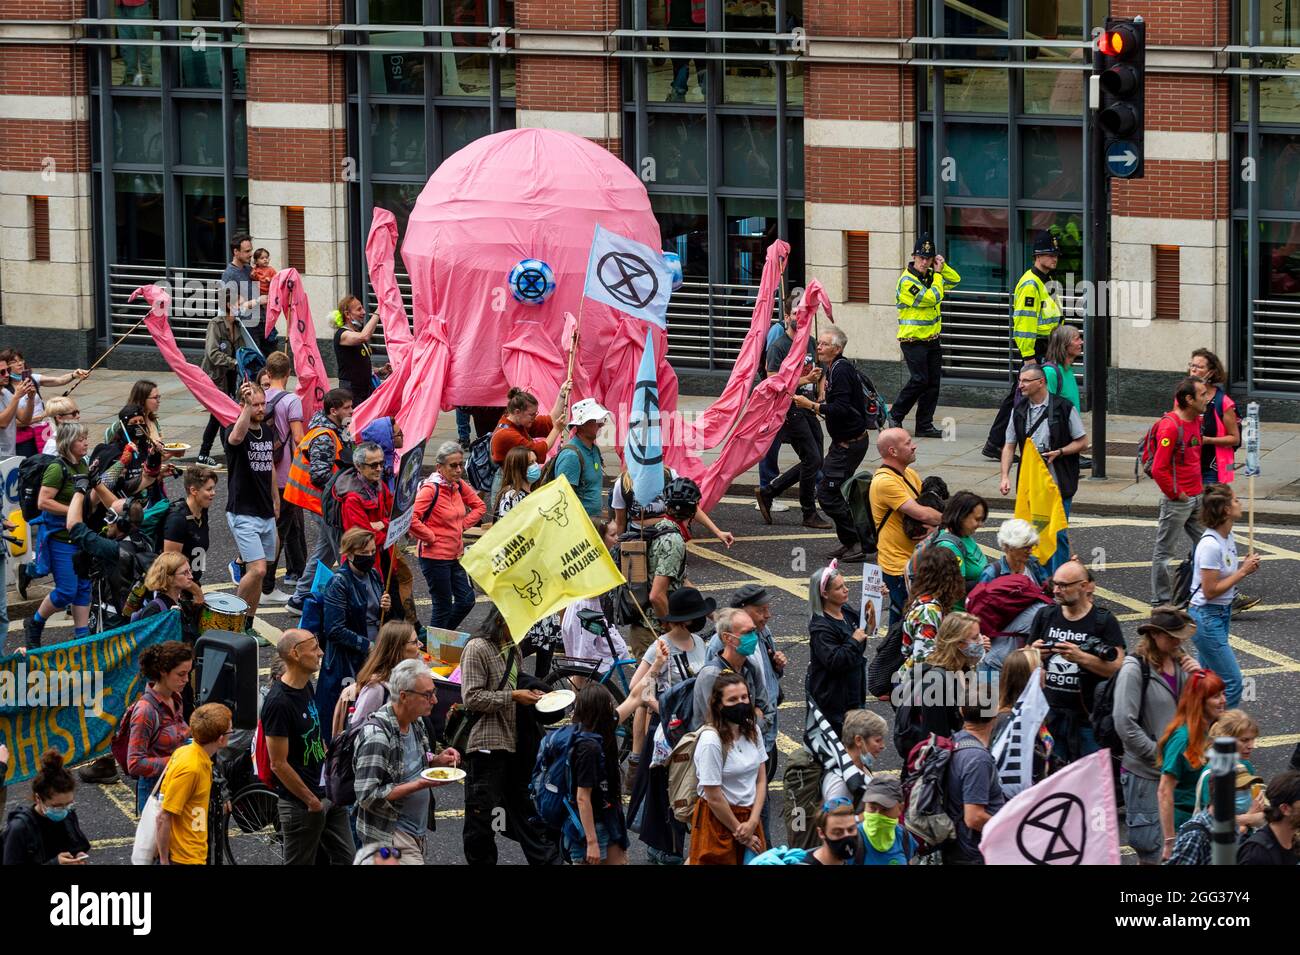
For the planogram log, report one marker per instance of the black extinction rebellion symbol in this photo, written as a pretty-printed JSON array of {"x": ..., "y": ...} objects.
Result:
[
  {"x": 1054, "y": 831},
  {"x": 628, "y": 278},
  {"x": 531, "y": 284},
  {"x": 645, "y": 401}
]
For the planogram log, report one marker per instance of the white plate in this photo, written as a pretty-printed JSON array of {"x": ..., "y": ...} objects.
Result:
[
  {"x": 555, "y": 701},
  {"x": 448, "y": 774}
]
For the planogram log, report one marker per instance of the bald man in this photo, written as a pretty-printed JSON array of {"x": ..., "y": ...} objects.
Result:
[
  {"x": 291, "y": 724},
  {"x": 894, "y": 489}
]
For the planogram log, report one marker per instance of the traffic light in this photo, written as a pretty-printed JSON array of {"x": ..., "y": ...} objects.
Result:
[{"x": 1121, "y": 68}]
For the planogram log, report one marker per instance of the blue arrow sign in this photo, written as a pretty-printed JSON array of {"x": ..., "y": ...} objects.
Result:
[{"x": 1121, "y": 159}]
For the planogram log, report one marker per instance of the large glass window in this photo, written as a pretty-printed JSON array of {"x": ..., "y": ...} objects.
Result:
[
  {"x": 170, "y": 148},
  {"x": 714, "y": 125}
]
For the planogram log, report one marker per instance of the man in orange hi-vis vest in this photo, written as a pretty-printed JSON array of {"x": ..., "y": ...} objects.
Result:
[{"x": 325, "y": 448}]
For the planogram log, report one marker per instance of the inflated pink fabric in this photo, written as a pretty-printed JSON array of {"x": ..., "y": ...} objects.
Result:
[
  {"x": 765, "y": 413},
  {"x": 380, "y": 247},
  {"x": 719, "y": 418},
  {"x": 286, "y": 295},
  {"x": 220, "y": 405}
]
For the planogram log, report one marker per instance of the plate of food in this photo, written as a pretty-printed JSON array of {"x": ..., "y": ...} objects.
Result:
[
  {"x": 444, "y": 774},
  {"x": 176, "y": 446},
  {"x": 555, "y": 701}
]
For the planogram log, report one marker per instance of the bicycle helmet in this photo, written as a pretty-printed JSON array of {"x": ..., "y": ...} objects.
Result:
[{"x": 681, "y": 497}]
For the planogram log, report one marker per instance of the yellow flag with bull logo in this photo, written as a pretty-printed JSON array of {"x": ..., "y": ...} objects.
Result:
[
  {"x": 541, "y": 557},
  {"x": 1038, "y": 501}
]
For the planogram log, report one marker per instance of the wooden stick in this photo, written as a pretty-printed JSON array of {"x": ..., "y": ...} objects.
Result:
[
  {"x": 388, "y": 578},
  {"x": 1251, "y": 548},
  {"x": 101, "y": 358}
]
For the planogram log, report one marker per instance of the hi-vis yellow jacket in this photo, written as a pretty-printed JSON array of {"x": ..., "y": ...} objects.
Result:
[
  {"x": 918, "y": 304},
  {"x": 1034, "y": 313}
]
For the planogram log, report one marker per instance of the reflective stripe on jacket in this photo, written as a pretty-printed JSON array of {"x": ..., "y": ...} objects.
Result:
[
  {"x": 918, "y": 303},
  {"x": 1034, "y": 313},
  {"x": 300, "y": 490}
]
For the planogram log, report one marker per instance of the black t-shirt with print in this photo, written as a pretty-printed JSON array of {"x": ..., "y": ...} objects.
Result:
[
  {"x": 354, "y": 367},
  {"x": 182, "y": 528},
  {"x": 251, "y": 464},
  {"x": 1067, "y": 685},
  {"x": 292, "y": 714},
  {"x": 606, "y": 790}
]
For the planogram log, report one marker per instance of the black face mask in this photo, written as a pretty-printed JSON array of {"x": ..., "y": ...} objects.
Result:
[
  {"x": 738, "y": 713},
  {"x": 845, "y": 848},
  {"x": 364, "y": 563}
]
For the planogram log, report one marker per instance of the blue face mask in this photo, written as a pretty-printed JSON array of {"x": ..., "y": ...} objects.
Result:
[
  {"x": 748, "y": 644},
  {"x": 534, "y": 473},
  {"x": 57, "y": 814},
  {"x": 1243, "y": 802},
  {"x": 974, "y": 651}
]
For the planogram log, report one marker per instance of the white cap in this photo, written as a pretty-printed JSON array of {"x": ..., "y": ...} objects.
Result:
[{"x": 588, "y": 409}]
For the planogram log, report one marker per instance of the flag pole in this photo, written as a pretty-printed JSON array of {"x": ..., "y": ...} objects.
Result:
[
  {"x": 388, "y": 578},
  {"x": 100, "y": 359}
]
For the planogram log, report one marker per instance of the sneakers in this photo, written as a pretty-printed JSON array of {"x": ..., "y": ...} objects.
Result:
[
  {"x": 289, "y": 583},
  {"x": 32, "y": 633},
  {"x": 993, "y": 454},
  {"x": 1243, "y": 602},
  {"x": 236, "y": 573},
  {"x": 101, "y": 771},
  {"x": 930, "y": 432},
  {"x": 276, "y": 596},
  {"x": 294, "y": 604},
  {"x": 207, "y": 460},
  {"x": 764, "y": 504},
  {"x": 23, "y": 580}
]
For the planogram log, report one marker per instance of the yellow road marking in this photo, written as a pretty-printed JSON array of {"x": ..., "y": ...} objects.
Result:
[
  {"x": 762, "y": 576},
  {"x": 1289, "y": 739},
  {"x": 1264, "y": 653}
]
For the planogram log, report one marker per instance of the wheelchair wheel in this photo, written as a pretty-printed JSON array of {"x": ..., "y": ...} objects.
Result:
[{"x": 252, "y": 827}]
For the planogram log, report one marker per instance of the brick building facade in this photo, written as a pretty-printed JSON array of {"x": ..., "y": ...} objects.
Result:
[{"x": 129, "y": 152}]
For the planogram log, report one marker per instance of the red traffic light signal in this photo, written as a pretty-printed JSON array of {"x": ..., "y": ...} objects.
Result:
[{"x": 1118, "y": 41}]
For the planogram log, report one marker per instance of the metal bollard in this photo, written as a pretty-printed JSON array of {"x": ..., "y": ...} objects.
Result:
[{"x": 1223, "y": 761}]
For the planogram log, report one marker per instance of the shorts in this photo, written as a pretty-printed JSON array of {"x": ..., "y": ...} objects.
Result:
[
  {"x": 609, "y": 829},
  {"x": 1142, "y": 816},
  {"x": 254, "y": 536}
]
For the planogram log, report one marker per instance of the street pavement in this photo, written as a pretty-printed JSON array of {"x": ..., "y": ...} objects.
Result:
[{"x": 781, "y": 557}]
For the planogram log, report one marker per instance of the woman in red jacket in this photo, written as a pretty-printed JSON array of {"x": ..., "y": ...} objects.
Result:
[{"x": 444, "y": 506}]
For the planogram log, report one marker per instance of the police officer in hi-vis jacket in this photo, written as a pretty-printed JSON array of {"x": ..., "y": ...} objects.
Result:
[
  {"x": 918, "y": 297},
  {"x": 1034, "y": 316}
]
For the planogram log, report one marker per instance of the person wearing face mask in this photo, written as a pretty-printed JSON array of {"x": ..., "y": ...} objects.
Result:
[
  {"x": 354, "y": 602},
  {"x": 863, "y": 735},
  {"x": 836, "y": 825},
  {"x": 732, "y": 778},
  {"x": 445, "y": 507},
  {"x": 47, "y": 832},
  {"x": 352, "y": 347},
  {"x": 837, "y": 675},
  {"x": 771, "y": 662},
  {"x": 130, "y": 463},
  {"x": 739, "y": 641},
  {"x": 325, "y": 449},
  {"x": 1242, "y": 727},
  {"x": 931, "y": 693}
]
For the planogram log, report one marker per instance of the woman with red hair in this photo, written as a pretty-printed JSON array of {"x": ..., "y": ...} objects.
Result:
[{"x": 1181, "y": 752}]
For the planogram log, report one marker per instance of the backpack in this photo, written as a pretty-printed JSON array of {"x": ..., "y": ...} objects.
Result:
[
  {"x": 634, "y": 594},
  {"x": 1102, "y": 713},
  {"x": 331, "y": 505},
  {"x": 1146, "y": 455},
  {"x": 278, "y": 441},
  {"x": 262, "y": 757},
  {"x": 937, "y": 535},
  {"x": 249, "y": 363},
  {"x": 876, "y": 407},
  {"x": 122, "y": 736},
  {"x": 802, "y": 781},
  {"x": 683, "y": 783},
  {"x": 1183, "y": 592},
  {"x": 925, "y": 790},
  {"x": 480, "y": 469},
  {"x": 154, "y": 521},
  {"x": 340, "y": 774},
  {"x": 886, "y": 662},
  {"x": 30, "y": 474},
  {"x": 677, "y": 710},
  {"x": 551, "y": 787},
  {"x": 548, "y": 472},
  {"x": 629, "y": 497}
]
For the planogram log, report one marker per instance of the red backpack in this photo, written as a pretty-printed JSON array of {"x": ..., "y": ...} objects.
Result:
[
  {"x": 1146, "y": 456},
  {"x": 122, "y": 736}
]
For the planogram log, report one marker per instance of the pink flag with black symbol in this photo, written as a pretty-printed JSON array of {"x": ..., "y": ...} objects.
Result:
[
  {"x": 380, "y": 248},
  {"x": 1070, "y": 818},
  {"x": 219, "y": 404},
  {"x": 286, "y": 295}
]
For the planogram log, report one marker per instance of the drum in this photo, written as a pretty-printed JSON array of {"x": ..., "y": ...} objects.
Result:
[{"x": 222, "y": 612}]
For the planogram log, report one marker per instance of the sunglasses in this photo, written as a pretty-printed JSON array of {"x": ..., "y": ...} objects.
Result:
[{"x": 385, "y": 853}]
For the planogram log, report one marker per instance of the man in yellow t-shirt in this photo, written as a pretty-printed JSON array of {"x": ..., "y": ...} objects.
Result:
[
  {"x": 187, "y": 789},
  {"x": 894, "y": 489}
]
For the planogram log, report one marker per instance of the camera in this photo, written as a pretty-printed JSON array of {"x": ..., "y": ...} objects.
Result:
[{"x": 1100, "y": 648}]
